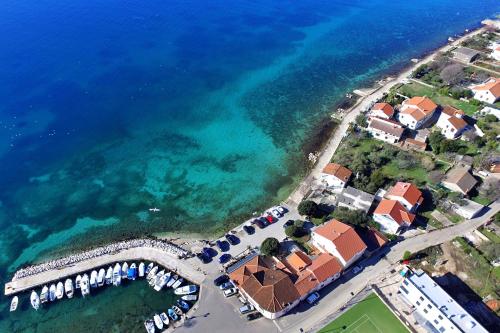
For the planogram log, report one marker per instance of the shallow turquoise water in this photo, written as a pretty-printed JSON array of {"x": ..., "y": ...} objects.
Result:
[{"x": 202, "y": 109}]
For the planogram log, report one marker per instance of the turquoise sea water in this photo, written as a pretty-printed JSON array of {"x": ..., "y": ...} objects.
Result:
[{"x": 199, "y": 108}]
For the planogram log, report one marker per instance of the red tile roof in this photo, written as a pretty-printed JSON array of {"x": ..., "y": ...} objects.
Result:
[
  {"x": 492, "y": 85},
  {"x": 425, "y": 104},
  {"x": 338, "y": 171},
  {"x": 386, "y": 108},
  {"x": 298, "y": 260},
  {"x": 395, "y": 210},
  {"x": 324, "y": 266},
  {"x": 407, "y": 191},
  {"x": 344, "y": 237},
  {"x": 452, "y": 111},
  {"x": 457, "y": 123}
]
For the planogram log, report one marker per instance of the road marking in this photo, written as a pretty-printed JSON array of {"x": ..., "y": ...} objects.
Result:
[{"x": 278, "y": 326}]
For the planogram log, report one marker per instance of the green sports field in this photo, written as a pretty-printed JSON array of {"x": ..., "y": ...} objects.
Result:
[{"x": 368, "y": 316}]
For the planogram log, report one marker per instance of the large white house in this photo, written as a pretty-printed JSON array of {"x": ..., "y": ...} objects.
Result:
[
  {"x": 407, "y": 194},
  {"x": 335, "y": 176},
  {"x": 416, "y": 111},
  {"x": 488, "y": 92},
  {"x": 451, "y": 123},
  {"x": 392, "y": 216},
  {"x": 385, "y": 129},
  {"x": 435, "y": 309},
  {"x": 340, "y": 240}
]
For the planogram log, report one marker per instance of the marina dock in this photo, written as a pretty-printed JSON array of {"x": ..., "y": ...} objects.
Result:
[{"x": 160, "y": 252}]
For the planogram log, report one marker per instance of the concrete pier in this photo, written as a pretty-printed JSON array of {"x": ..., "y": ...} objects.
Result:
[{"x": 161, "y": 256}]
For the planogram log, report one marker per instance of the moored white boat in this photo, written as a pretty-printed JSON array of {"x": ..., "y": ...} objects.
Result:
[
  {"x": 152, "y": 273},
  {"x": 172, "y": 314},
  {"x": 85, "y": 285},
  {"x": 186, "y": 290},
  {"x": 59, "y": 290},
  {"x": 177, "y": 283},
  {"x": 124, "y": 270},
  {"x": 141, "y": 269},
  {"x": 78, "y": 280},
  {"x": 52, "y": 292},
  {"x": 164, "y": 318},
  {"x": 190, "y": 297},
  {"x": 163, "y": 281},
  {"x": 117, "y": 277},
  {"x": 93, "y": 279},
  {"x": 149, "y": 268},
  {"x": 44, "y": 295},
  {"x": 68, "y": 288},
  {"x": 158, "y": 321},
  {"x": 34, "y": 300},
  {"x": 109, "y": 275},
  {"x": 157, "y": 278},
  {"x": 177, "y": 310},
  {"x": 172, "y": 280},
  {"x": 13, "y": 303},
  {"x": 150, "y": 326},
  {"x": 100, "y": 277}
]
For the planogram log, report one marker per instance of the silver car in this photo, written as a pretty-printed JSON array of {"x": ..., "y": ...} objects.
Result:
[{"x": 246, "y": 308}]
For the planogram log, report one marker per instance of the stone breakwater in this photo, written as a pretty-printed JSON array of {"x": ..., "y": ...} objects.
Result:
[{"x": 162, "y": 245}]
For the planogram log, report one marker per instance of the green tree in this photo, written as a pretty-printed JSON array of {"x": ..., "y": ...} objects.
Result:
[
  {"x": 291, "y": 231},
  {"x": 270, "y": 247},
  {"x": 353, "y": 217},
  {"x": 407, "y": 255},
  {"x": 490, "y": 118},
  {"x": 308, "y": 208},
  {"x": 361, "y": 120},
  {"x": 435, "y": 139}
]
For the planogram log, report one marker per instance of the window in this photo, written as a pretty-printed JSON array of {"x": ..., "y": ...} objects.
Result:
[
  {"x": 441, "y": 329},
  {"x": 421, "y": 298},
  {"x": 440, "y": 317},
  {"x": 435, "y": 321},
  {"x": 405, "y": 282},
  {"x": 403, "y": 289},
  {"x": 418, "y": 303},
  {"x": 429, "y": 306},
  {"x": 425, "y": 311}
]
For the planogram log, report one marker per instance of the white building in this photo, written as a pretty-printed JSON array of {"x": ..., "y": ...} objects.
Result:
[
  {"x": 407, "y": 194},
  {"x": 416, "y": 112},
  {"x": 435, "y": 309},
  {"x": 469, "y": 209},
  {"x": 392, "y": 216},
  {"x": 340, "y": 240},
  {"x": 451, "y": 123},
  {"x": 385, "y": 129},
  {"x": 488, "y": 92},
  {"x": 355, "y": 199},
  {"x": 335, "y": 176}
]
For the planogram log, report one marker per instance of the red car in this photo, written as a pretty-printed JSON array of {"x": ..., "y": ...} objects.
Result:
[{"x": 270, "y": 218}]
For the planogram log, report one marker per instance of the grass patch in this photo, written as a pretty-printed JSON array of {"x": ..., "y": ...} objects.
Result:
[
  {"x": 491, "y": 235},
  {"x": 418, "y": 175},
  {"x": 369, "y": 315},
  {"x": 417, "y": 89},
  {"x": 481, "y": 200}
]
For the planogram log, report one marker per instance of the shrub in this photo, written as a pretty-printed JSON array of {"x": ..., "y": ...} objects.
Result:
[
  {"x": 407, "y": 255},
  {"x": 270, "y": 247},
  {"x": 308, "y": 208},
  {"x": 292, "y": 231}
]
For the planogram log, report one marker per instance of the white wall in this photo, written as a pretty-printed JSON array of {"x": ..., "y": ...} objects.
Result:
[
  {"x": 387, "y": 224},
  {"x": 332, "y": 181},
  {"x": 380, "y": 135},
  {"x": 484, "y": 96}
]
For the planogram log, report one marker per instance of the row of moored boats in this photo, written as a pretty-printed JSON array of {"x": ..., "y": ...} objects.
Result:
[{"x": 159, "y": 279}]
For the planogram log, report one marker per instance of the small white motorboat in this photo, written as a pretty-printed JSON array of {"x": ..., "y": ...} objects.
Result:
[
  {"x": 186, "y": 290},
  {"x": 152, "y": 273},
  {"x": 35, "y": 300},
  {"x": 44, "y": 295},
  {"x": 13, "y": 303},
  {"x": 177, "y": 283},
  {"x": 117, "y": 277},
  {"x": 149, "y": 268},
  {"x": 172, "y": 280},
  {"x": 100, "y": 277},
  {"x": 157, "y": 278},
  {"x": 109, "y": 275},
  {"x": 59, "y": 290},
  {"x": 68, "y": 288},
  {"x": 93, "y": 279},
  {"x": 150, "y": 326},
  {"x": 85, "y": 285},
  {"x": 52, "y": 292},
  {"x": 124, "y": 270},
  {"x": 164, "y": 318},
  {"x": 141, "y": 269},
  {"x": 189, "y": 297},
  {"x": 78, "y": 280},
  {"x": 158, "y": 321}
]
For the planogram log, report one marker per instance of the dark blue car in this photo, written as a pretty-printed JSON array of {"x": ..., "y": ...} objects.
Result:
[
  {"x": 224, "y": 258},
  {"x": 222, "y": 245}
]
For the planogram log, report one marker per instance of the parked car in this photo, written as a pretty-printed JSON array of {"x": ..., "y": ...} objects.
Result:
[
  {"x": 275, "y": 213},
  {"x": 226, "y": 285},
  {"x": 242, "y": 300},
  {"x": 269, "y": 219},
  {"x": 288, "y": 223},
  {"x": 281, "y": 209},
  {"x": 356, "y": 269},
  {"x": 246, "y": 308},
  {"x": 203, "y": 258},
  {"x": 249, "y": 229},
  {"x": 311, "y": 299},
  {"x": 221, "y": 279},
  {"x": 259, "y": 223},
  {"x": 224, "y": 258},
  {"x": 207, "y": 252},
  {"x": 232, "y": 239},
  {"x": 222, "y": 245},
  {"x": 230, "y": 292},
  {"x": 253, "y": 316}
]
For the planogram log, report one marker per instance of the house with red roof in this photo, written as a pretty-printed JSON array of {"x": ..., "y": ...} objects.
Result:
[
  {"x": 335, "y": 175},
  {"x": 488, "y": 92},
  {"x": 416, "y": 111},
  {"x": 340, "y": 240},
  {"x": 407, "y": 194},
  {"x": 386, "y": 130},
  {"x": 392, "y": 216},
  {"x": 451, "y": 122},
  {"x": 382, "y": 110}
]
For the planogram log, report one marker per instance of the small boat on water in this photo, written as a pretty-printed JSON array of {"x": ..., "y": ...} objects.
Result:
[
  {"x": 158, "y": 321},
  {"x": 93, "y": 279},
  {"x": 157, "y": 278},
  {"x": 164, "y": 318},
  {"x": 172, "y": 280},
  {"x": 100, "y": 277},
  {"x": 78, "y": 281},
  {"x": 149, "y": 268},
  {"x": 124, "y": 270},
  {"x": 132, "y": 272},
  {"x": 68, "y": 287},
  {"x": 141, "y": 269},
  {"x": 52, "y": 292},
  {"x": 44, "y": 295},
  {"x": 183, "y": 305},
  {"x": 177, "y": 310},
  {"x": 150, "y": 326},
  {"x": 59, "y": 290},
  {"x": 172, "y": 314},
  {"x": 186, "y": 290},
  {"x": 163, "y": 281},
  {"x": 190, "y": 297},
  {"x": 109, "y": 275},
  {"x": 152, "y": 273},
  {"x": 13, "y": 303},
  {"x": 84, "y": 285},
  {"x": 177, "y": 283},
  {"x": 35, "y": 300},
  {"x": 117, "y": 277}
]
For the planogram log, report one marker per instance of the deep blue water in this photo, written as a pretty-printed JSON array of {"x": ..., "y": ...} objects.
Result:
[{"x": 200, "y": 108}]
